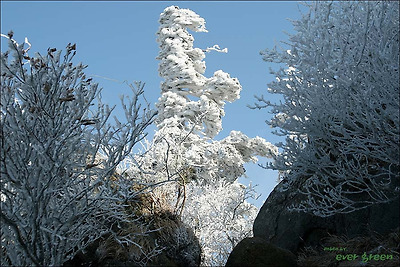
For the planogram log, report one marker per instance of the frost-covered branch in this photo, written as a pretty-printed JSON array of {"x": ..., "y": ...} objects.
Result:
[
  {"x": 58, "y": 156},
  {"x": 341, "y": 108}
]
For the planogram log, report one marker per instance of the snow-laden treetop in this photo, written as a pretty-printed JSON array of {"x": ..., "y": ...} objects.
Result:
[
  {"x": 191, "y": 107},
  {"x": 182, "y": 67}
]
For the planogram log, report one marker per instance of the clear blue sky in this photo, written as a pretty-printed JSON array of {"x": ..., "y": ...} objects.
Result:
[{"x": 117, "y": 40}]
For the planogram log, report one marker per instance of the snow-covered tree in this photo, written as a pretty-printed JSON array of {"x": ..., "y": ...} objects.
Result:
[
  {"x": 59, "y": 189},
  {"x": 190, "y": 123},
  {"x": 341, "y": 105},
  {"x": 199, "y": 173},
  {"x": 220, "y": 216}
]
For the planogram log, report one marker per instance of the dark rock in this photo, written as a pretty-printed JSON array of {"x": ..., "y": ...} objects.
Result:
[
  {"x": 294, "y": 230},
  {"x": 255, "y": 251}
]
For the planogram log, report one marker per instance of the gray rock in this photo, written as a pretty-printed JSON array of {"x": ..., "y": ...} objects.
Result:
[
  {"x": 255, "y": 251},
  {"x": 294, "y": 230}
]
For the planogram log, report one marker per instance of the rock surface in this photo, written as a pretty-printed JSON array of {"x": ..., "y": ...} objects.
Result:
[
  {"x": 294, "y": 230},
  {"x": 255, "y": 251}
]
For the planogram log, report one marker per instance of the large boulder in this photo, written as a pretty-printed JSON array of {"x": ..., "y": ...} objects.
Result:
[
  {"x": 294, "y": 230},
  {"x": 255, "y": 251}
]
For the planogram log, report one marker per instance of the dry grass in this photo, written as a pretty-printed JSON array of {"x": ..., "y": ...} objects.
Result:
[
  {"x": 154, "y": 229},
  {"x": 145, "y": 220}
]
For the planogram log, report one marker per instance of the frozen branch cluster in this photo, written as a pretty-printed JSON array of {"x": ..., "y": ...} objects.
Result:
[
  {"x": 199, "y": 173},
  {"x": 341, "y": 106},
  {"x": 58, "y": 154}
]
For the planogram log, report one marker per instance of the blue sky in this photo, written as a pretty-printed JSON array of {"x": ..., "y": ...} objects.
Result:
[{"x": 117, "y": 40}]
